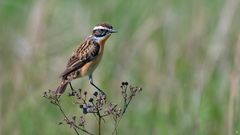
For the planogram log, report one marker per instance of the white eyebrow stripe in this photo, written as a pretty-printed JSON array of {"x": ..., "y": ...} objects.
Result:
[{"x": 101, "y": 27}]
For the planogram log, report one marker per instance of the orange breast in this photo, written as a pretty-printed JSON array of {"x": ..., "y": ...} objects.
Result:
[{"x": 89, "y": 67}]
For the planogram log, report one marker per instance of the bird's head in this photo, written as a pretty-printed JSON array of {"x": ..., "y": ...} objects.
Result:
[{"x": 102, "y": 32}]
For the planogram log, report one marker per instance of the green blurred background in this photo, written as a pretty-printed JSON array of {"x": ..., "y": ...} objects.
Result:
[{"x": 184, "y": 53}]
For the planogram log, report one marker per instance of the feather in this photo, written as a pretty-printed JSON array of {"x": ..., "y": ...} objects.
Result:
[{"x": 87, "y": 52}]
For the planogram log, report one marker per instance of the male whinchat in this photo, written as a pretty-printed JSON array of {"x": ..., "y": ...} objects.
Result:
[{"x": 86, "y": 57}]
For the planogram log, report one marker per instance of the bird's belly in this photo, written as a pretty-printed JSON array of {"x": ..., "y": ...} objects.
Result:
[{"x": 89, "y": 67}]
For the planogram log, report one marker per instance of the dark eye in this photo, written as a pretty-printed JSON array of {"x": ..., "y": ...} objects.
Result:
[
  {"x": 103, "y": 31},
  {"x": 100, "y": 32}
]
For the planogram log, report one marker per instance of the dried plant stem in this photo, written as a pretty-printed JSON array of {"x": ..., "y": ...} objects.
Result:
[
  {"x": 126, "y": 103},
  {"x": 96, "y": 105},
  {"x": 60, "y": 108},
  {"x": 99, "y": 124},
  {"x": 75, "y": 127},
  {"x": 99, "y": 119}
]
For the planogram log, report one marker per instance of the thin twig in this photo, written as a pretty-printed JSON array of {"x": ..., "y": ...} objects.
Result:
[
  {"x": 95, "y": 105},
  {"x": 126, "y": 104},
  {"x": 99, "y": 125},
  {"x": 74, "y": 125}
]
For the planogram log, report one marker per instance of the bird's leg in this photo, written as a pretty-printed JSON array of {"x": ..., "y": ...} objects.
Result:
[
  {"x": 71, "y": 86},
  {"x": 91, "y": 82},
  {"x": 73, "y": 91}
]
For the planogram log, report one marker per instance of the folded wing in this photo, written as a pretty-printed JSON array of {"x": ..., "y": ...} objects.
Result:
[{"x": 87, "y": 52}]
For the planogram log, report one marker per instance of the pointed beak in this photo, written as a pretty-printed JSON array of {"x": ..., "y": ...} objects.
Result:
[{"x": 114, "y": 31}]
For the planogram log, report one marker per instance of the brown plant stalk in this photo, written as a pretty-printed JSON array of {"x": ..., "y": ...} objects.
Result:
[{"x": 95, "y": 104}]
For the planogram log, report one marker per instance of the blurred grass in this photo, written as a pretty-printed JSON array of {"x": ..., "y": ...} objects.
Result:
[{"x": 185, "y": 54}]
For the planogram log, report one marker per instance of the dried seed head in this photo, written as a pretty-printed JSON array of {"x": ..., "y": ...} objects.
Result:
[
  {"x": 74, "y": 118},
  {"x": 80, "y": 90},
  {"x": 90, "y": 100},
  {"x": 124, "y": 83},
  {"x": 119, "y": 111},
  {"x": 90, "y": 109},
  {"x": 81, "y": 121},
  {"x": 71, "y": 94},
  {"x": 103, "y": 97},
  {"x": 95, "y": 93},
  {"x": 85, "y": 110},
  {"x": 45, "y": 94}
]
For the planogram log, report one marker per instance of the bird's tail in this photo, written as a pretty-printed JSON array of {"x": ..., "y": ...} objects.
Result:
[{"x": 62, "y": 87}]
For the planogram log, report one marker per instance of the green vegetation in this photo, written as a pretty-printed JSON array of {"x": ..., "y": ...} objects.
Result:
[{"x": 184, "y": 54}]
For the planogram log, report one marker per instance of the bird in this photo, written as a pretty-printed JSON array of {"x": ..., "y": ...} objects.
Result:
[{"x": 86, "y": 57}]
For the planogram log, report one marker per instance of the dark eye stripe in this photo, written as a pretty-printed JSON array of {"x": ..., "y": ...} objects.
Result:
[{"x": 100, "y": 32}]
